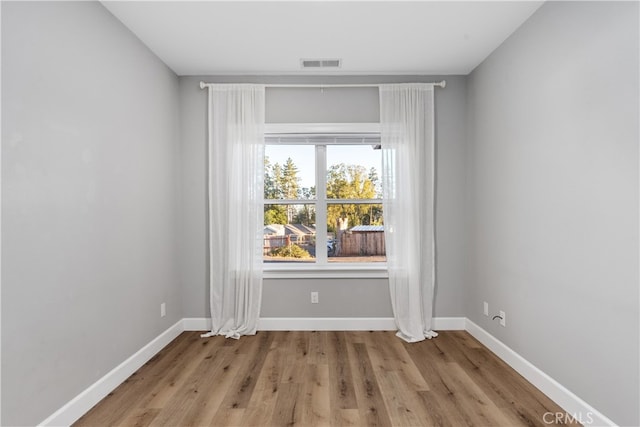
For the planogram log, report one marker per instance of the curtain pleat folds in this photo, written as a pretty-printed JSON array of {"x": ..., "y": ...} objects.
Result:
[
  {"x": 236, "y": 116},
  {"x": 407, "y": 139}
]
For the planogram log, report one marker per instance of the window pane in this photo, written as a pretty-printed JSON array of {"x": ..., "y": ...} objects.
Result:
[
  {"x": 356, "y": 233},
  {"x": 289, "y": 172},
  {"x": 289, "y": 233},
  {"x": 353, "y": 172}
]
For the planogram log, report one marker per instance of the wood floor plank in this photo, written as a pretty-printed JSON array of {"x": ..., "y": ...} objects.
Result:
[
  {"x": 373, "y": 411},
  {"x": 317, "y": 348},
  {"x": 426, "y": 358},
  {"x": 179, "y": 370},
  {"x": 297, "y": 349},
  {"x": 340, "y": 378},
  {"x": 263, "y": 400},
  {"x": 316, "y": 395},
  {"x": 471, "y": 399},
  {"x": 287, "y": 411},
  {"x": 403, "y": 404},
  {"x": 346, "y": 418},
  {"x": 197, "y": 383},
  {"x": 353, "y": 378},
  {"x": 387, "y": 353},
  {"x": 436, "y": 414},
  {"x": 516, "y": 396},
  {"x": 245, "y": 381},
  {"x": 228, "y": 417},
  {"x": 356, "y": 336},
  {"x": 141, "y": 417},
  {"x": 219, "y": 380},
  {"x": 508, "y": 397}
]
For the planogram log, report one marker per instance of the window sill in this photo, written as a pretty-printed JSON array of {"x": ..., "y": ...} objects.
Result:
[{"x": 330, "y": 271}]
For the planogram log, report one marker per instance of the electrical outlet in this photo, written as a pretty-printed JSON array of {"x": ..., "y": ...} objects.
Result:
[
  {"x": 485, "y": 309},
  {"x": 503, "y": 320},
  {"x": 163, "y": 309},
  {"x": 314, "y": 298}
]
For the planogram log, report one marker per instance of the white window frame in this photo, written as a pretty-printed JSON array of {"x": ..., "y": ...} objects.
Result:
[{"x": 322, "y": 268}]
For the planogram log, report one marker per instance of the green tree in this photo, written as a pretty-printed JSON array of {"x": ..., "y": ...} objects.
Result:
[
  {"x": 306, "y": 214},
  {"x": 275, "y": 214},
  {"x": 282, "y": 182},
  {"x": 352, "y": 182},
  {"x": 276, "y": 173},
  {"x": 289, "y": 180},
  {"x": 289, "y": 184},
  {"x": 375, "y": 180},
  {"x": 269, "y": 180}
]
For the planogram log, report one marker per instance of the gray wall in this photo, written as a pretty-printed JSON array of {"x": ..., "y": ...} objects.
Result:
[
  {"x": 339, "y": 297},
  {"x": 89, "y": 183},
  {"x": 553, "y": 133}
]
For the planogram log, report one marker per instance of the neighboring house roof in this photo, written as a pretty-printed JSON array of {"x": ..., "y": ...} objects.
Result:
[
  {"x": 288, "y": 229},
  {"x": 274, "y": 229},
  {"x": 368, "y": 228},
  {"x": 299, "y": 229}
]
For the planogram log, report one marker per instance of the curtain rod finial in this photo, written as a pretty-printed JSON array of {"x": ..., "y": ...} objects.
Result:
[
  {"x": 443, "y": 84},
  {"x": 201, "y": 85}
]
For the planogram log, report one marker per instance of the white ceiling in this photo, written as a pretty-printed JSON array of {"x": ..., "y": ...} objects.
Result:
[{"x": 371, "y": 37}]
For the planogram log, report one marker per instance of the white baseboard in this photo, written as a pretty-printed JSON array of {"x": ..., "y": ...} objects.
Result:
[
  {"x": 572, "y": 404},
  {"x": 196, "y": 324},
  {"x": 330, "y": 324},
  {"x": 79, "y": 405},
  {"x": 449, "y": 323},
  {"x": 326, "y": 324}
]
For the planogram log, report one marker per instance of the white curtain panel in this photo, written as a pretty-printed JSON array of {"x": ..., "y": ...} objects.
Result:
[
  {"x": 407, "y": 139},
  {"x": 236, "y": 160}
]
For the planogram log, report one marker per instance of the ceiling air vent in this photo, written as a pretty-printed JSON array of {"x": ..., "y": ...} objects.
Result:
[{"x": 320, "y": 63}]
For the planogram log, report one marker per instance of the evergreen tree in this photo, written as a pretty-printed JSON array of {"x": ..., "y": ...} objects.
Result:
[
  {"x": 306, "y": 214},
  {"x": 281, "y": 182},
  {"x": 276, "y": 172},
  {"x": 289, "y": 184},
  {"x": 273, "y": 214}
]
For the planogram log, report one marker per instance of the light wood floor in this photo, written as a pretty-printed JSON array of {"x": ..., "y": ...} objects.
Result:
[{"x": 323, "y": 378}]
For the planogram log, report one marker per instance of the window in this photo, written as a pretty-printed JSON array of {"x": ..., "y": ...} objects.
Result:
[{"x": 322, "y": 199}]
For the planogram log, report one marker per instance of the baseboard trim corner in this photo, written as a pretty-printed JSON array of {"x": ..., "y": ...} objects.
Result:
[
  {"x": 83, "y": 402},
  {"x": 567, "y": 400}
]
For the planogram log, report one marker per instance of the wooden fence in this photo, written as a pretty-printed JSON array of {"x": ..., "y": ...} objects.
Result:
[
  {"x": 361, "y": 243},
  {"x": 355, "y": 243}
]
